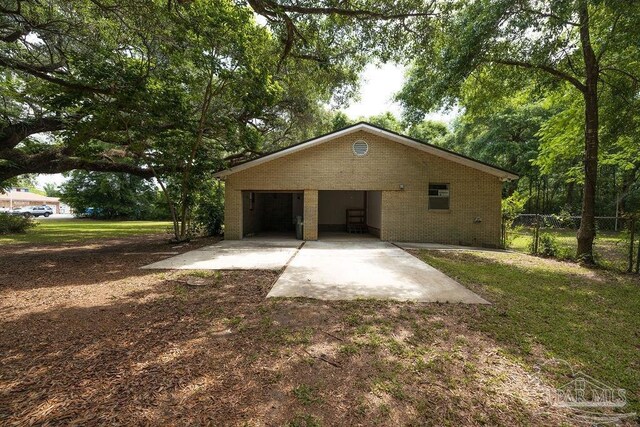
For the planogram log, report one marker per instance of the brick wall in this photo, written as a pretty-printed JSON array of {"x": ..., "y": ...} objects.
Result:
[
  {"x": 388, "y": 164},
  {"x": 310, "y": 216}
]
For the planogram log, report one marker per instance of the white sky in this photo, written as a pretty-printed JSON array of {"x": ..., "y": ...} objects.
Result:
[{"x": 378, "y": 85}]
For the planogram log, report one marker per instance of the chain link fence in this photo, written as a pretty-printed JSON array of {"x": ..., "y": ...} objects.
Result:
[
  {"x": 612, "y": 246},
  {"x": 608, "y": 223}
]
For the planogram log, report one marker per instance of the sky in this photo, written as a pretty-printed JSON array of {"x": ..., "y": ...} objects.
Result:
[{"x": 378, "y": 84}]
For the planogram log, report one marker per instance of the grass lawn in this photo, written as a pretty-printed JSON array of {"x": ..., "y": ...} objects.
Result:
[
  {"x": 72, "y": 230},
  {"x": 549, "y": 309},
  {"x": 87, "y": 337},
  {"x": 611, "y": 248}
]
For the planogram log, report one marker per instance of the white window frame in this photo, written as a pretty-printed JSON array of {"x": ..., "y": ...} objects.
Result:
[{"x": 448, "y": 196}]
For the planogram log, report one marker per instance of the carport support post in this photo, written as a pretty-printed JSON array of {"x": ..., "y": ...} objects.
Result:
[
  {"x": 232, "y": 214},
  {"x": 310, "y": 215}
]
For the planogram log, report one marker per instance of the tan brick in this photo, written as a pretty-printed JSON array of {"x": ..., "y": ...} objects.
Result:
[
  {"x": 388, "y": 164},
  {"x": 310, "y": 214}
]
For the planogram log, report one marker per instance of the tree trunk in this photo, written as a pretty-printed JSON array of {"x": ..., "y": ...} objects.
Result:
[
  {"x": 587, "y": 230},
  {"x": 570, "y": 189}
]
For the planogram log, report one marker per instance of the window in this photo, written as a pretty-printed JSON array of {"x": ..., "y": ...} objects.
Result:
[{"x": 439, "y": 196}]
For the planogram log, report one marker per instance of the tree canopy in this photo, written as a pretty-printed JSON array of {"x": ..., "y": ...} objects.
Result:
[
  {"x": 117, "y": 86},
  {"x": 491, "y": 48}
]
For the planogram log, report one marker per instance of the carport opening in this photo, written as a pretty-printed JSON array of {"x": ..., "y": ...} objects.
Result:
[
  {"x": 347, "y": 213},
  {"x": 271, "y": 213}
]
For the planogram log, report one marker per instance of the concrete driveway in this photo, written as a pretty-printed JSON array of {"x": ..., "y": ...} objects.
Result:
[
  {"x": 234, "y": 255},
  {"x": 330, "y": 270},
  {"x": 346, "y": 270}
]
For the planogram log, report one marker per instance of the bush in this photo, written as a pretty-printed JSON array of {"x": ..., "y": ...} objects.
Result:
[
  {"x": 547, "y": 245},
  {"x": 512, "y": 206},
  {"x": 11, "y": 224},
  {"x": 208, "y": 215}
]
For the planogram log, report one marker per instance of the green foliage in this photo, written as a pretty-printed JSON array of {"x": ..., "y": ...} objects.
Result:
[
  {"x": 51, "y": 190},
  {"x": 209, "y": 210},
  {"x": 12, "y": 224},
  {"x": 111, "y": 195},
  {"x": 430, "y": 131},
  {"x": 547, "y": 245},
  {"x": 513, "y": 206},
  {"x": 386, "y": 120},
  {"x": 122, "y": 87}
]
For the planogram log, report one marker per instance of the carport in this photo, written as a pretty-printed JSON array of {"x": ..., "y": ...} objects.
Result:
[
  {"x": 349, "y": 213},
  {"x": 271, "y": 213}
]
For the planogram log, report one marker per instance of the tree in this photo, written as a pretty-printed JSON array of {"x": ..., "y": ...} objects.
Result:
[
  {"x": 110, "y": 195},
  {"x": 431, "y": 131},
  {"x": 172, "y": 93},
  {"x": 83, "y": 79},
  {"x": 51, "y": 190},
  {"x": 571, "y": 42}
]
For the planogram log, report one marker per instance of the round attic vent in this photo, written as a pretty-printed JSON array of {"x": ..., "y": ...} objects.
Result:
[{"x": 360, "y": 147}]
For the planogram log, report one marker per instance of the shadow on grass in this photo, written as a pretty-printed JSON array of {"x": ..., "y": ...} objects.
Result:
[
  {"x": 542, "y": 308},
  {"x": 49, "y": 266}
]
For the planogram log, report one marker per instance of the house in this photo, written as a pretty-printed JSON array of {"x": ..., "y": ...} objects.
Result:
[
  {"x": 21, "y": 197},
  {"x": 366, "y": 179}
]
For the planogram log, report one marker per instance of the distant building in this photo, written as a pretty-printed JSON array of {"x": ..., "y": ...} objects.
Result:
[{"x": 20, "y": 197}]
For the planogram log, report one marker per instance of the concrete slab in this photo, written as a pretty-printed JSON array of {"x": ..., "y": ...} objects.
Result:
[
  {"x": 345, "y": 270},
  {"x": 234, "y": 255}
]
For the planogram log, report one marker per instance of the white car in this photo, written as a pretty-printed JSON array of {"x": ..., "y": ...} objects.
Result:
[{"x": 36, "y": 211}]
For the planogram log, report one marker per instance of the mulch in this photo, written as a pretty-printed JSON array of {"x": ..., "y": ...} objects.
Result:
[{"x": 88, "y": 338}]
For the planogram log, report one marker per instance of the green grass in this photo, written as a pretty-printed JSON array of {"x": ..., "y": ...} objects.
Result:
[
  {"x": 73, "y": 230},
  {"x": 305, "y": 394},
  {"x": 544, "y": 308},
  {"x": 610, "y": 247}
]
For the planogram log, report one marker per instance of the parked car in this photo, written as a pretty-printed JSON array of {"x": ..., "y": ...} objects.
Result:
[{"x": 29, "y": 211}]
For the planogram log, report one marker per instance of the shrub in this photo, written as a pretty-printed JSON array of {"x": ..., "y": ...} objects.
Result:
[
  {"x": 208, "y": 215},
  {"x": 547, "y": 245},
  {"x": 512, "y": 206},
  {"x": 11, "y": 224}
]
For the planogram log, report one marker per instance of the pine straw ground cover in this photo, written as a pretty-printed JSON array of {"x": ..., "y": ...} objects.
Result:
[{"x": 87, "y": 338}]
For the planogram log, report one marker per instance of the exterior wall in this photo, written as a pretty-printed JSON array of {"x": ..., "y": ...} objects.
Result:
[
  {"x": 333, "y": 205},
  {"x": 387, "y": 166},
  {"x": 374, "y": 212},
  {"x": 232, "y": 213}
]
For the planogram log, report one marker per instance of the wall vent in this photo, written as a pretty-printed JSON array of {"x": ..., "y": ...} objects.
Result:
[{"x": 360, "y": 148}]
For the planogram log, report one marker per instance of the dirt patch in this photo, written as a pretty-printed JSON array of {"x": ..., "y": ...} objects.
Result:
[{"x": 87, "y": 338}]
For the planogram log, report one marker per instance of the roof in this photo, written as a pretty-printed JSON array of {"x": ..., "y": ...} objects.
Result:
[
  {"x": 375, "y": 130},
  {"x": 25, "y": 196}
]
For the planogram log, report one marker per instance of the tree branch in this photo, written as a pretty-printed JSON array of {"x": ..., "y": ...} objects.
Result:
[
  {"x": 41, "y": 74},
  {"x": 272, "y": 8},
  {"x": 14, "y": 163},
  {"x": 546, "y": 68},
  {"x": 635, "y": 79},
  {"x": 11, "y": 135}
]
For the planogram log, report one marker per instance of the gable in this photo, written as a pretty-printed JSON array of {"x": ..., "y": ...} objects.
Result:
[{"x": 366, "y": 131}]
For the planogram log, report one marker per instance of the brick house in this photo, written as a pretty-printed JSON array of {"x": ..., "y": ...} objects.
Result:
[
  {"x": 366, "y": 179},
  {"x": 22, "y": 197}
]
